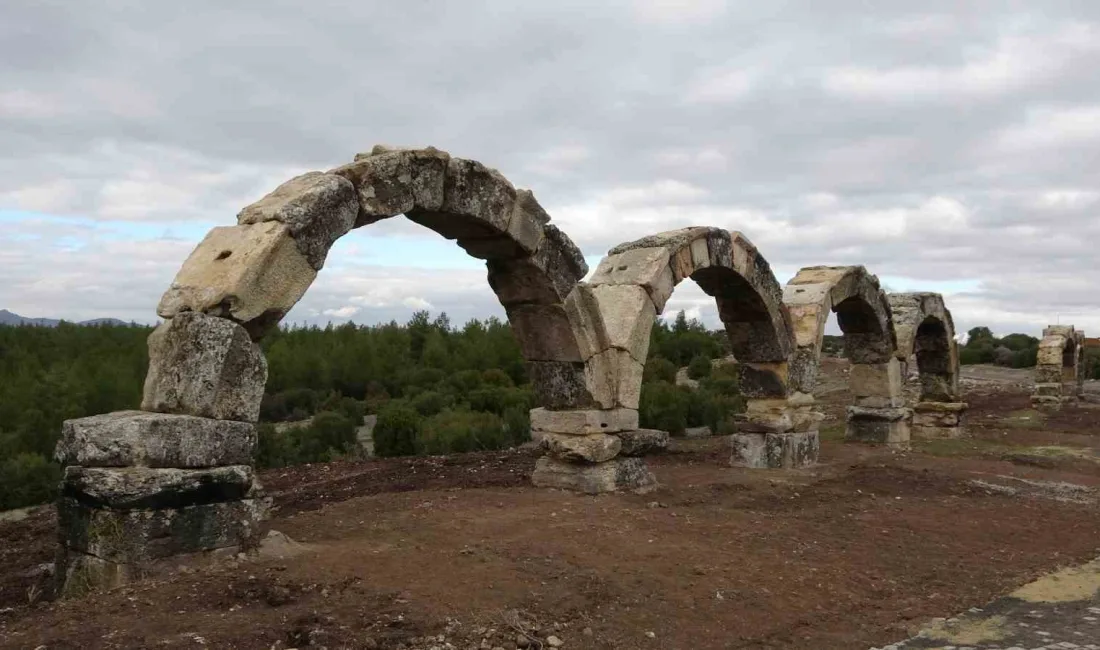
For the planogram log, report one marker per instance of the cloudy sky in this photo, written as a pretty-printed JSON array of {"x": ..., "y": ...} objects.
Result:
[{"x": 948, "y": 146}]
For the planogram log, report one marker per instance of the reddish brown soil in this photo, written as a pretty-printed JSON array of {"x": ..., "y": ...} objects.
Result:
[{"x": 855, "y": 552}]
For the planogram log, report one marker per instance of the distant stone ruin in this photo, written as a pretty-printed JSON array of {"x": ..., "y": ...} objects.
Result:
[
  {"x": 176, "y": 477},
  {"x": 1058, "y": 376},
  {"x": 925, "y": 329}
]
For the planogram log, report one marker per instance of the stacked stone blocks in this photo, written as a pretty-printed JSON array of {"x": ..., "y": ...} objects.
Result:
[{"x": 1058, "y": 379}]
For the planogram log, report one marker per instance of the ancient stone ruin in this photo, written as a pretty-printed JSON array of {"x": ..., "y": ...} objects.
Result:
[
  {"x": 863, "y": 313},
  {"x": 925, "y": 330},
  {"x": 1058, "y": 378},
  {"x": 176, "y": 477}
]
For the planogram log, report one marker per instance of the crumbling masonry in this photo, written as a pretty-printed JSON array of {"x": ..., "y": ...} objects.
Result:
[
  {"x": 176, "y": 477},
  {"x": 1058, "y": 376}
]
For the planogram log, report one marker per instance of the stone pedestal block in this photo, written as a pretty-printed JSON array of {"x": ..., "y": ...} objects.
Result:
[
  {"x": 591, "y": 448},
  {"x": 938, "y": 420},
  {"x": 774, "y": 450},
  {"x": 642, "y": 442},
  {"x": 883, "y": 425},
  {"x": 616, "y": 475},
  {"x": 584, "y": 422}
]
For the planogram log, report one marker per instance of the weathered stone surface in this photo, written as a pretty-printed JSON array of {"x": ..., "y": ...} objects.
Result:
[
  {"x": 628, "y": 316},
  {"x": 890, "y": 426},
  {"x": 78, "y": 574},
  {"x": 584, "y": 422},
  {"x": 935, "y": 419},
  {"x": 642, "y": 442},
  {"x": 586, "y": 320},
  {"x": 1048, "y": 390},
  {"x": 615, "y": 378},
  {"x": 763, "y": 379},
  {"x": 748, "y": 450},
  {"x": 617, "y": 475},
  {"x": 774, "y": 450},
  {"x": 764, "y": 422},
  {"x": 393, "y": 182},
  {"x": 593, "y": 448},
  {"x": 527, "y": 222},
  {"x": 137, "y": 536},
  {"x": 644, "y": 267},
  {"x": 546, "y": 277},
  {"x": 137, "y": 438},
  {"x": 877, "y": 402},
  {"x": 474, "y": 190},
  {"x": 543, "y": 332},
  {"x": 875, "y": 379},
  {"x": 317, "y": 208},
  {"x": 253, "y": 274},
  {"x": 804, "y": 419},
  {"x": 128, "y": 488},
  {"x": 941, "y": 407},
  {"x": 204, "y": 366},
  {"x": 560, "y": 384},
  {"x": 673, "y": 240}
]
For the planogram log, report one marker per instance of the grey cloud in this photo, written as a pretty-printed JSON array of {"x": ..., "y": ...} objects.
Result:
[{"x": 157, "y": 112}]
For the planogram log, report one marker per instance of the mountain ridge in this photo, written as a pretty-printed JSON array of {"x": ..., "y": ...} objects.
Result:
[{"x": 13, "y": 319}]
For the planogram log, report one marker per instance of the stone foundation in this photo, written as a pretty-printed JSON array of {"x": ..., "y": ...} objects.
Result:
[
  {"x": 881, "y": 425},
  {"x": 615, "y": 475},
  {"x": 123, "y": 507},
  {"x": 938, "y": 420},
  {"x": 774, "y": 450}
]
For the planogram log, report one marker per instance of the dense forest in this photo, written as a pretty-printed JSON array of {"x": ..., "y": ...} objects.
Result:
[{"x": 435, "y": 388}]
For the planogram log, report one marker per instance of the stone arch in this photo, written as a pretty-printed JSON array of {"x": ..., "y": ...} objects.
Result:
[
  {"x": 618, "y": 306},
  {"x": 863, "y": 313},
  {"x": 176, "y": 476},
  {"x": 1057, "y": 370},
  {"x": 925, "y": 329}
]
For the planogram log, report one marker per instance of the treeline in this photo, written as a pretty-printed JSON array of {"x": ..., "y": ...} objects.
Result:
[
  {"x": 435, "y": 388},
  {"x": 1013, "y": 351}
]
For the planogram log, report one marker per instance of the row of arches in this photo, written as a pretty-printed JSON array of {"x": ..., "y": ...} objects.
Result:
[{"x": 585, "y": 344}]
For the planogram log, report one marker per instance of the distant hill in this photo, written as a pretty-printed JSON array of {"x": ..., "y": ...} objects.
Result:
[{"x": 11, "y": 318}]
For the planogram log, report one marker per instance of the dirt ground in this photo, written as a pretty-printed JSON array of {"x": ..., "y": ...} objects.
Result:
[{"x": 460, "y": 552}]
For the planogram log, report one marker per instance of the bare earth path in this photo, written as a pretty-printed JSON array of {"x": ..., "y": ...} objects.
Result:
[{"x": 861, "y": 551}]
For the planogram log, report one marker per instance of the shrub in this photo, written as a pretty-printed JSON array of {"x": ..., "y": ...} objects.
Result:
[
  {"x": 496, "y": 377},
  {"x": 497, "y": 400},
  {"x": 659, "y": 369},
  {"x": 517, "y": 422},
  {"x": 466, "y": 380},
  {"x": 462, "y": 431},
  {"x": 663, "y": 406},
  {"x": 26, "y": 480},
  {"x": 275, "y": 448},
  {"x": 430, "y": 402},
  {"x": 699, "y": 367},
  {"x": 395, "y": 433}
]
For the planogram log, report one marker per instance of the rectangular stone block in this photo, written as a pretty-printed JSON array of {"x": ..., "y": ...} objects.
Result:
[
  {"x": 129, "y": 488},
  {"x": 644, "y": 267},
  {"x": 560, "y": 384},
  {"x": 593, "y": 448},
  {"x": 252, "y": 274},
  {"x": 204, "y": 366},
  {"x": 748, "y": 450},
  {"x": 390, "y": 182},
  {"x": 875, "y": 379},
  {"x": 768, "y": 380},
  {"x": 628, "y": 316},
  {"x": 642, "y": 442},
  {"x": 888, "y": 426},
  {"x": 78, "y": 574},
  {"x": 880, "y": 402},
  {"x": 614, "y": 378},
  {"x": 1048, "y": 390},
  {"x": 544, "y": 332},
  {"x": 792, "y": 450},
  {"x": 921, "y": 431},
  {"x": 584, "y": 422},
  {"x": 137, "y": 438},
  {"x": 137, "y": 536},
  {"x": 583, "y": 311},
  {"x": 618, "y": 475}
]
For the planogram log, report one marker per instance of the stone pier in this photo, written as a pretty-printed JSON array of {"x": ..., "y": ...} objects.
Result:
[{"x": 879, "y": 413}]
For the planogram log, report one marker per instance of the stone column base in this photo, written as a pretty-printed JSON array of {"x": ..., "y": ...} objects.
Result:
[
  {"x": 116, "y": 522},
  {"x": 615, "y": 475},
  {"x": 774, "y": 450},
  {"x": 933, "y": 420},
  {"x": 882, "y": 425}
]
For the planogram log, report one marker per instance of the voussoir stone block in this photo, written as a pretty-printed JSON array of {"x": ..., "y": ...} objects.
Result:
[
  {"x": 546, "y": 277},
  {"x": 129, "y": 488},
  {"x": 619, "y": 474},
  {"x": 615, "y": 378},
  {"x": 645, "y": 267},
  {"x": 138, "y": 438},
  {"x": 205, "y": 366},
  {"x": 592, "y": 448},
  {"x": 584, "y": 422},
  {"x": 391, "y": 182},
  {"x": 317, "y": 208},
  {"x": 560, "y": 384},
  {"x": 583, "y": 311},
  {"x": 138, "y": 536},
  {"x": 253, "y": 274},
  {"x": 543, "y": 332},
  {"x": 628, "y": 316}
]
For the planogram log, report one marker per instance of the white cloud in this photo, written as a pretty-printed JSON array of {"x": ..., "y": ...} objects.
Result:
[
  {"x": 721, "y": 86},
  {"x": 412, "y": 302},
  {"x": 346, "y": 311}
]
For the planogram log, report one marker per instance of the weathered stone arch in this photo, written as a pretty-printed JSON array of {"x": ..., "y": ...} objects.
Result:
[
  {"x": 863, "y": 313},
  {"x": 617, "y": 308},
  {"x": 1058, "y": 376},
  {"x": 176, "y": 476},
  {"x": 925, "y": 329}
]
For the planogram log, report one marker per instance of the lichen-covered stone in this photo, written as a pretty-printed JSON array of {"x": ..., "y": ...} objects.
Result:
[
  {"x": 543, "y": 332},
  {"x": 138, "y": 438},
  {"x": 774, "y": 450},
  {"x": 204, "y": 366},
  {"x": 888, "y": 425},
  {"x": 252, "y": 274},
  {"x": 138, "y": 536},
  {"x": 390, "y": 182},
  {"x": 547, "y": 277},
  {"x": 642, "y": 442},
  {"x": 617, "y": 475},
  {"x": 560, "y": 384},
  {"x": 79, "y": 574},
  {"x": 129, "y": 488},
  {"x": 592, "y": 448},
  {"x": 317, "y": 208}
]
